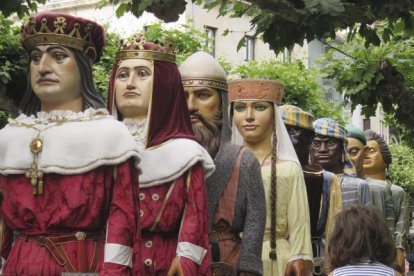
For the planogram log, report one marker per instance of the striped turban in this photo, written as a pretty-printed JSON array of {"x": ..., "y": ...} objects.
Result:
[
  {"x": 331, "y": 128},
  {"x": 294, "y": 116}
]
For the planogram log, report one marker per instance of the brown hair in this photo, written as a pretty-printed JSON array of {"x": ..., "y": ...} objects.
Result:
[{"x": 360, "y": 234}]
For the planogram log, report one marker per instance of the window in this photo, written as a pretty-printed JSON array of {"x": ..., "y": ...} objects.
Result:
[
  {"x": 367, "y": 124},
  {"x": 249, "y": 54},
  {"x": 211, "y": 39}
]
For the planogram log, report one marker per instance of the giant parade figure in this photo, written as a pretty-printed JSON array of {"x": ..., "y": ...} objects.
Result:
[
  {"x": 376, "y": 163},
  {"x": 68, "y": 170},
  {"x": 381, "y": 195},
  {"x": 146, "y": 92},
  {"x": 328, "y": 148},
  {"x": 322, "y": 187},
  {"x": 287, "y": 248},
  {"x": 236, "y": 201}
]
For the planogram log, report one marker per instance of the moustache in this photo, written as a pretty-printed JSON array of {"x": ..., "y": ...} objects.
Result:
[{"x": 205, "y": 121}]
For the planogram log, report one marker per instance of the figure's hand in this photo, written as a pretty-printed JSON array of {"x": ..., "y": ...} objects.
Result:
[
  {"x": 299, "y": 268},
  {"x": 400, "y": 259},
  {"x": 175, "y": 268}
]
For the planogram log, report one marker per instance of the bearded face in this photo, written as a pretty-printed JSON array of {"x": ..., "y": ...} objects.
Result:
[{"x": 208, "y": 133}]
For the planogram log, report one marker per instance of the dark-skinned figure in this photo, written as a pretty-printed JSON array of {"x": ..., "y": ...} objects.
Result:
[
  {"x": 323, "y": 188},
  {"x": 328, "y": 148}
]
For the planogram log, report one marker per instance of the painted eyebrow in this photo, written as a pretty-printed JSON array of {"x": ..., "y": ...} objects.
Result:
[
  {"x": 199, "y": 89},
  {"x": 136, "y": 67},
  {"x": 51, "y": 48}
]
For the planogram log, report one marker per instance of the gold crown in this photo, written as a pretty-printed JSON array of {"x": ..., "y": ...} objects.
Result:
[
  {"x": 138, "y": 47},
  {"x": 61, "y": 34}
]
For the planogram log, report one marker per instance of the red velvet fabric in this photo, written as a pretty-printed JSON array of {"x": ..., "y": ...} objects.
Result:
[
  {"x": 184, "y": 219},
  {"x": 169, "y": 116},
  {"x": 86, "y": 202}
]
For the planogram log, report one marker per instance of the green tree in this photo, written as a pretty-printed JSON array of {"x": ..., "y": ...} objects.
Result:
[
  {"x": 378, "y": 75},
  {"x": 301, "y": 86},
  {"x": 13, "y": 66},
  {"x": 401, "y": 169},
  {"x": 21, "y": 7},
  {"x": 284, "y": 23}
]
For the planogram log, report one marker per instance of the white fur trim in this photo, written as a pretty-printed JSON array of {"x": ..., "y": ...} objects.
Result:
[
  {"x": 70, "y": 148},
  {"x": 193, "y": 252},
  {"x": 118, "y": 254},
  {"x": 168, "y": 161}
]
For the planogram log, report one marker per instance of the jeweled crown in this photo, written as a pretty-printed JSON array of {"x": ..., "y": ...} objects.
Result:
[
  {"x": 66, "y": 30},
  {"x": 138, "y": 47}
]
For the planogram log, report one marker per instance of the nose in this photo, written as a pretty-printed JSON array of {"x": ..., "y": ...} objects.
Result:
[
  {"x": 323, "y": 147},
  {"x": 249, "y": 114},
  {"x": 131, "y": 82},
  {"x": 192, "y": 106},
  {"x": 44, "y": 65}
]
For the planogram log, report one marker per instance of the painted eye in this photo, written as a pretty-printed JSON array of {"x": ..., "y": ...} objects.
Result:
[
  {"x": 143, "y": 73},
  {"x": 239, "y": 108},
  {"x": 122, "y": 75},
  {"x": 260, "y": 107},
  {"x": 59, "y": 56},
  {"x": 203, "y": 95},
  {"x": 316, "y": 144},
  {"x": 35, "y": 57}
]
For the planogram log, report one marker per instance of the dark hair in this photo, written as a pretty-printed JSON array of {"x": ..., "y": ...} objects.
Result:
[
  {"x": 385, "y": 151},
  {"x": 30, "y": 104},
  {"x": 360, "y": 234}
]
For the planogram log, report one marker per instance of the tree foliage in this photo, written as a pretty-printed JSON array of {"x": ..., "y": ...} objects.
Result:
[
  {"x": 13, "y": 67},
  {"x": 167, "y": 10},
  {"x": 378, "y": 75},
  {"x": 401, "y": 169},
  {"x": 301, "y": 86},
  {"x": 21, "y": 7},
  {"x": 284, "y": 23}
]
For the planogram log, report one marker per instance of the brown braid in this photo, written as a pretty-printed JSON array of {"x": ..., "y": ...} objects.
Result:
[{"x": 272, "y": 253}]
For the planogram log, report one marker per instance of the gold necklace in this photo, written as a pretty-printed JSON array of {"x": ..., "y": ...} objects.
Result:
[
  {"x": 267, "y": 156},
  {"x": 34, "y": 174},
  {"x": 36, "y": 146}
]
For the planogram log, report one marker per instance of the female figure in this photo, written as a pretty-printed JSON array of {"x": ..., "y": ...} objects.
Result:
[
  {"x": 67, "y": 169},
  {"x": 287, "y": 243},
  {"x": 360, "y": 244},
  {"x": 147, "y": 94}
]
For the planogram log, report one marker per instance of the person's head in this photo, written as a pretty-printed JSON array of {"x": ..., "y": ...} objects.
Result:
[
  {"x": 62, "y": 49},
  {"x": 145, "y": 84},
  {"x": 299, "y": 125},
  {"x": 253, "y": 108},
  {"x": 378, "y": 156},
  {"x": 360, "y": 234},
  {"x": 357, "y": 148},
  {"x": 328, "y": 147},
  {"x": 205, "y": 87}
]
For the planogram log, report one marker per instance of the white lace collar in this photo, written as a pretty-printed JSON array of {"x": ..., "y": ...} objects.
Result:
[
  {"x": 138, "y": 129},
  {"x": 59, "y": 115}
]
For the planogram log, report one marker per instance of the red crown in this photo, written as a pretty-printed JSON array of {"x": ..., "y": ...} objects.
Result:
[
  {"x": 138, "y": 47},
  {"x": 66, "y": 30}
]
